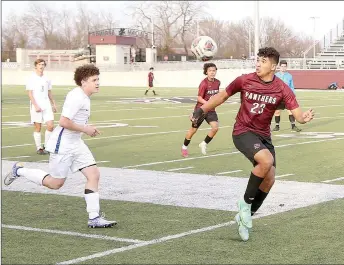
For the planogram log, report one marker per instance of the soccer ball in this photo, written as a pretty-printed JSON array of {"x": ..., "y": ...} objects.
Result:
[{"x": 204, "y": 48}]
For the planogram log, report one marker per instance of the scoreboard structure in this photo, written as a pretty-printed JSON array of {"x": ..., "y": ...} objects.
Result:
[{"x": 118, "y": 45}]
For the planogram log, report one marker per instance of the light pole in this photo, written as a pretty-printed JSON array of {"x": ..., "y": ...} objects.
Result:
[
  {"x": 90, "y": 51},
  {"x": 256, "y": 28},
  {"x": 152, "y": 29},
  {"x": 249, "y": 44},
  {"x": 314, "y": 33}
]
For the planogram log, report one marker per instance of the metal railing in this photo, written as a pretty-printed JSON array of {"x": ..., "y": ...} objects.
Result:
[
  {"x": 329, "y": 38},
  {"x": 293, "y": 63}
]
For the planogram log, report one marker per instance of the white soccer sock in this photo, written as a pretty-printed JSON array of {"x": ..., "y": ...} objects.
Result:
[
  {"x": 37, "y": 137},
  {"x": 92, "y": 204},
  {"x": 184, "y": 147},
  {"x": 34, "y": 175},
  {"x": 46, "y": 138}
]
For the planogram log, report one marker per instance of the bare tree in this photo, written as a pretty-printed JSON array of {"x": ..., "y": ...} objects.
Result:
[
  {"x": 171, "y": 19},
  {"x": 108, "y": 19},
  {"x": 83, "y": 25},
  {"x": 43, "y": 21},
  {"x": 66, "y": 34},
  {"x": 9, "y": 33},
  {"x": 23, "y": 33},
  {"x": 190, "y": 11},
  {"x": 273, "y": 32}
]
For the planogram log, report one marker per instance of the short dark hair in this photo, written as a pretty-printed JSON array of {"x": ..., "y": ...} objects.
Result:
[
  {"x": 283, "y": 62},
  {"x": 85, "y": 71},
  {"x": 206, "y": 66},
  {"x": 37, "y": 61},
  {"x": 152, "y": 68},
  {"x": 270, "y": 53}
]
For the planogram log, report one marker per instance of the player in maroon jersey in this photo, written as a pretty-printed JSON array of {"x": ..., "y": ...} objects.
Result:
[
  {"x": 150, "y": 80},
  {"x": 209, "y": 87},
  {"x": 261, "y": 94}
]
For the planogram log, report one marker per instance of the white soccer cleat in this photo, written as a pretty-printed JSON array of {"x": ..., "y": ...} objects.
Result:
[
  {"x": 245, "y": 213},
  {"x": 203, "y": 147},
  {"x": 243, "y": 231},
  {"x": 100, "y": 222}
]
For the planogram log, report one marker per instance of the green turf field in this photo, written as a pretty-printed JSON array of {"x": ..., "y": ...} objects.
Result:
[{"x": 159, "y": 221}]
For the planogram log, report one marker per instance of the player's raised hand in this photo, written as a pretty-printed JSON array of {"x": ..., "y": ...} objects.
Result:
[{"x": 308, "y": 115}]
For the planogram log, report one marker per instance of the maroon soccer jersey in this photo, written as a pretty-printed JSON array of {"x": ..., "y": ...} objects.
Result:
[
  {"x": 207, "y": 89},
  {"x": 150, "y": 77},
  {"x": 259, "y": 100}
]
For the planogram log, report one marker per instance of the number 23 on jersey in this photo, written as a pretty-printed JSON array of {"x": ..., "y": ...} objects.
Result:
[{"x": 257, "y": 108}]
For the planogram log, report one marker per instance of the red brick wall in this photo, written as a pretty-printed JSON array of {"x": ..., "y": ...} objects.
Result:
[{"x": 317, "y": 79}]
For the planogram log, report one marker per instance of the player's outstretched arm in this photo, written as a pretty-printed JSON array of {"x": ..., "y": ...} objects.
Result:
[
  {"x": 215, "y": 101},
  {"x": 70, "y": 125},
  {"x": 303, "y": 117}
]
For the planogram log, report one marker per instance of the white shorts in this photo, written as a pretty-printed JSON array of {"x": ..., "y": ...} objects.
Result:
[
  {"x": 59, "y": 164},
  {"x": 41, "y": 117}
]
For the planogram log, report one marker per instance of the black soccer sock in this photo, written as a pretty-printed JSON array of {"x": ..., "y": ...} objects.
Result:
[
  {"x": 154, "y": 92},
  {"x": 146, "y": 92},
  {"x": 208, "y": 139},
  {"x": 292, "y": 120},
  {"x": 87, "y": 191},
  {"x": 252, "y": 188},
  {"x": 258, "y": 201},
  {"x": 277, "y": 120},
  {"x": 186, "y": 141}
]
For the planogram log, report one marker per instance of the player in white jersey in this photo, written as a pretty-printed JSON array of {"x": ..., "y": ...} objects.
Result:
[
  {"x": 68, "y": 150},
  {"x": 42, "y": 104}
]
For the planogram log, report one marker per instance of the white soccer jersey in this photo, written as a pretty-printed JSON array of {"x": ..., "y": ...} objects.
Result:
[
  {"x": 40, "y": 86},
  {"x": 77, "y": 108}
]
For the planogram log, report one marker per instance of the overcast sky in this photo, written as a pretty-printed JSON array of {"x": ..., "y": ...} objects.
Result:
[{"x": 296, "y": 14}]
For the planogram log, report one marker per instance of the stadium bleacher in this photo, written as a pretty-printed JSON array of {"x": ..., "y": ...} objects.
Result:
[{"x": 331, "y": 56}]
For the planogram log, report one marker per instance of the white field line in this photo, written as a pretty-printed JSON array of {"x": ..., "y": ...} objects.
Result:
[
  {"x": 285, "y": 175},
  {"x": 173, "y": 101},
  {"x": 17, "y": 145},
  {"x": 143, "y": 126},
  {"x": 325, "y": 106},
  {"x": 182, "y": 159},
  {"x": 147, "y": 243},
  {"x": 228, "y": 153},
  {"x": 161, "y": 117},
  {"x": 69, "y": 233},
  {"x": 105, "y": 110},
  {"x": 332, "y": 180},
  {"x": 100, "y": 162},
  {"x": 5, "y": 158},
  {"x": 177, "y": 169},
  {"x": 228, "y": 172},
  {"x": 158, "y": 117},
  {"x": 126, "y": 135},
  {"x": 143, "y": 134},
  {"x": 130, "y": 119}
]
